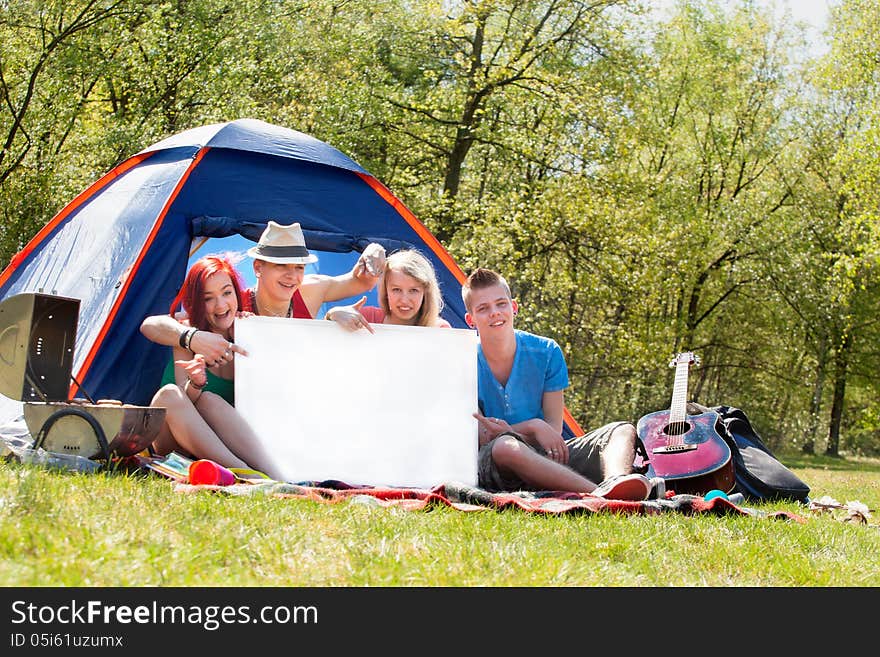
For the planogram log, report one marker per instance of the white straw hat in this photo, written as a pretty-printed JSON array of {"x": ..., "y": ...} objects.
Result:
[{"x": 282, "y": 245}]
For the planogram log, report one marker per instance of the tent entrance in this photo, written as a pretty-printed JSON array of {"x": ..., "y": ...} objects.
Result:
[{"x": 328, "y": 263}]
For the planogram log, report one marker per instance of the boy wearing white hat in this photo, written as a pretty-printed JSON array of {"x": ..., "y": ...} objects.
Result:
[{"x": 284, "y": 290}]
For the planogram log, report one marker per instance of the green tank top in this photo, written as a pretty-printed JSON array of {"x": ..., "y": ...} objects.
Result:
[{"x": 223, "y": 387}]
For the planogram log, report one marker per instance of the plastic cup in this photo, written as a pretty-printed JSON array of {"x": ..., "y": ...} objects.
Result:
[{"x": 205, "y": 471}]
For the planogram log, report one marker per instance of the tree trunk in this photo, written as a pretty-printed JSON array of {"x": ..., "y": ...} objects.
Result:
[
  {"x": 841, "y": 358},
  {"x": 464, "y": 139},
  {"x": 809, "y": 446}
]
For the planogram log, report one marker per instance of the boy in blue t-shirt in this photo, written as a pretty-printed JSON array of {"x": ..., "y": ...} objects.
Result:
[{"x": 521, "y": 382}]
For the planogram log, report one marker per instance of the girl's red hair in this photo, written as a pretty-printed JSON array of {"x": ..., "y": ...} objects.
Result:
[{"x": 192, "y": 292}]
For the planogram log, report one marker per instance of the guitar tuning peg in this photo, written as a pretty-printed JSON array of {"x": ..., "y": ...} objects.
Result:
[{"x": 683, "y": 357}]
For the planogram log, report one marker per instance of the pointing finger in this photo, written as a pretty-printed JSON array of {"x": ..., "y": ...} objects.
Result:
[{"x": 483, "y": 420}]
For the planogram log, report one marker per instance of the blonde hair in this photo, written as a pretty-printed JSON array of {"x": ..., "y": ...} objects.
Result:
[
  {"x": 480, "y": 279},
  {"x": 414, "y": 264}
]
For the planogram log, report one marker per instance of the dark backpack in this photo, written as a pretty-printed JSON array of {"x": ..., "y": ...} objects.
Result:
[{"x": 759, "y": 475}]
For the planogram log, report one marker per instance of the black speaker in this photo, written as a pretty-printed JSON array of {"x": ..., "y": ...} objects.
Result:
[{"x": 37, "y": 340}]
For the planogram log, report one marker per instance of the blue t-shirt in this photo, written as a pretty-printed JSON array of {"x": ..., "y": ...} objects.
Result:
[{"x": 538, "y": 367}]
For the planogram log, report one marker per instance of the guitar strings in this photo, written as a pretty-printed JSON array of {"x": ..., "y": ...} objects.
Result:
[{"x": 679, "y": 389}]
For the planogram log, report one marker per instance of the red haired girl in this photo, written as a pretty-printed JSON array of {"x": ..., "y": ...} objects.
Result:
[{"x": 198, "y": 391}]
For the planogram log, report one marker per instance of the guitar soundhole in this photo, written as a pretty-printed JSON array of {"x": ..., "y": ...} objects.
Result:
[{"x": 677, "y": 428}]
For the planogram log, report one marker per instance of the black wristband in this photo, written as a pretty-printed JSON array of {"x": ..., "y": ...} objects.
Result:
[
  {"x": 189, "y": 337},
  {"x": 182, "y": 339}
]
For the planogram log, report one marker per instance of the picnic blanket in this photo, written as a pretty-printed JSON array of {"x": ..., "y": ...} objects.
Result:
[
  {"x": 461, "y": 497},
  {"x": 469, "y": 498}
]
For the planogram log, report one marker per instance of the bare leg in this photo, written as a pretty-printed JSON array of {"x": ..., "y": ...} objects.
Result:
[
  {"x": 512, "y": 456},
  {"x": 165, "y": 443},
  {"x": 620, "y": 452},
  {"x": 236, "y": 434},
  {"x": 189, "y": 430}
]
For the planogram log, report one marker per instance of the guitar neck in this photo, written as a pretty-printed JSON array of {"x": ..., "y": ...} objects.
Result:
[{"x": 677, "y": 410}]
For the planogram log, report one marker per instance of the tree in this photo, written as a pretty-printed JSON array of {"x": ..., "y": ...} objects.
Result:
[
  {"x": 484, "y": 86},
  {"x": 839, "y": 200},
  {"x": 48, "y": 74}
]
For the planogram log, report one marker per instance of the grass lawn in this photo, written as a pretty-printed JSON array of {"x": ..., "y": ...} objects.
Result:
[{"x": 132, "y": 530}]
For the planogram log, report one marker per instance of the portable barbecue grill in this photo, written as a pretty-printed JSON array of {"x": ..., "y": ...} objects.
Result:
[{"x": 37, "y": 339}]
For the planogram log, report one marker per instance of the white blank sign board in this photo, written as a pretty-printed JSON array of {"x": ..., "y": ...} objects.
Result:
[{"x": 391, "y": 408}]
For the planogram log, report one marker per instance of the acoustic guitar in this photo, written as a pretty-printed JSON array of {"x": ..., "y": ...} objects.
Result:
[{"x": 686, "y": 450}]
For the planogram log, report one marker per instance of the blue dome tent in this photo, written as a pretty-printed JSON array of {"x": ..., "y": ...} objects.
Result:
[{"x": 123, "y": 245}]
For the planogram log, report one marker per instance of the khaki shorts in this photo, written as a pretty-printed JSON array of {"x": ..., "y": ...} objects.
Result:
[{"x": 584, "y": 456}]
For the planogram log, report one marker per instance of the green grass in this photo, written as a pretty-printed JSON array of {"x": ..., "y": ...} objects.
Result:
[{"x": 116, "y": 529}]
